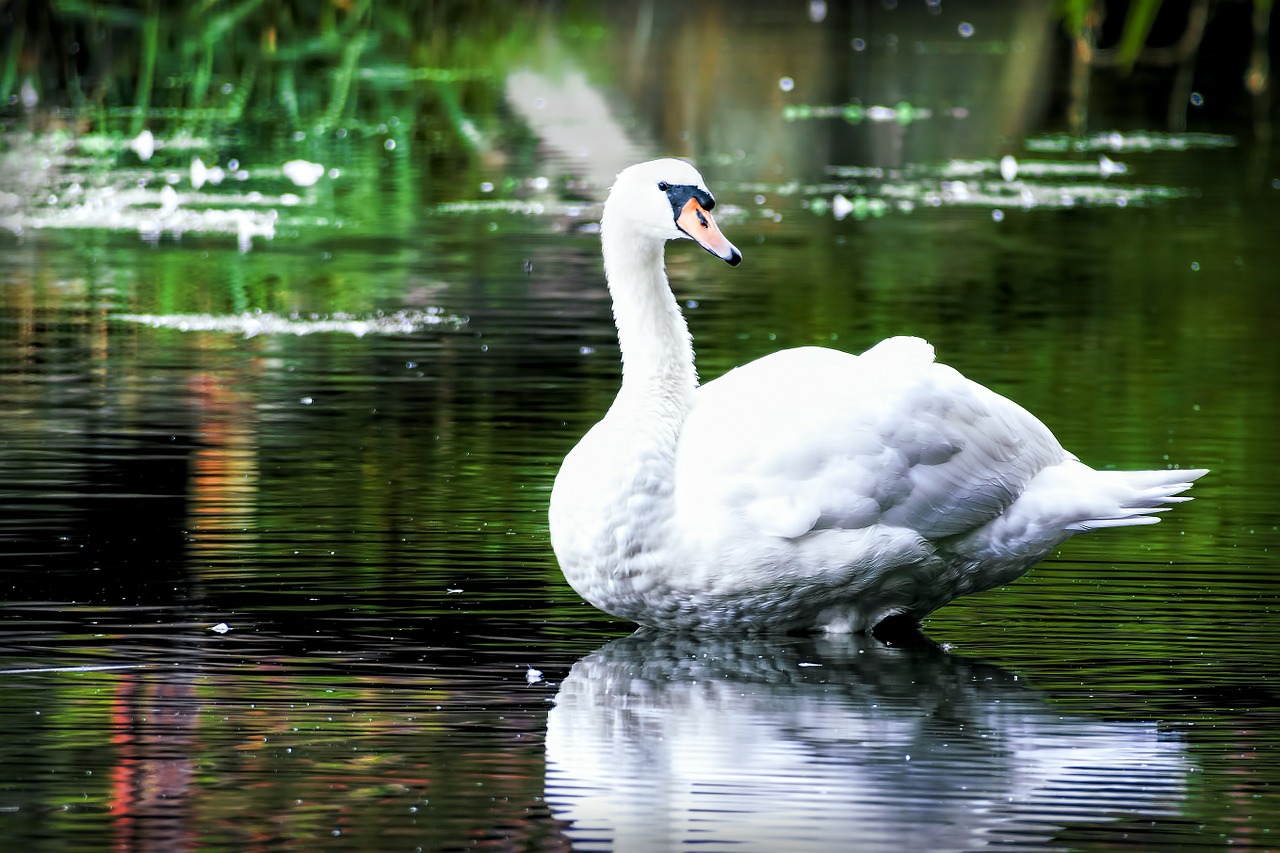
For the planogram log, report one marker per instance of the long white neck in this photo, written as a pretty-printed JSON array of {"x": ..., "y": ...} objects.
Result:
[{"x": 658, "y": 375}]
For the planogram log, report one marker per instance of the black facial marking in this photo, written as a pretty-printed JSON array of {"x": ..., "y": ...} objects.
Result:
[{"x": 679, "y": 196}]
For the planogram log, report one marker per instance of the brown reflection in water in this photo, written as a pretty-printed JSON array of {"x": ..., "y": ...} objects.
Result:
[
  {"x": 153, "y": 730},
  {"x": 224, "y": 468}
]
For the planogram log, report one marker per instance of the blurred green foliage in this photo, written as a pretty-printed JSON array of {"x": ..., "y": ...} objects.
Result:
[{"x": 297, "y": 66}]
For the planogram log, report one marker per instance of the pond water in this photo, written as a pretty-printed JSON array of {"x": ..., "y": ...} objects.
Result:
[{"x": 277, "y": 440}]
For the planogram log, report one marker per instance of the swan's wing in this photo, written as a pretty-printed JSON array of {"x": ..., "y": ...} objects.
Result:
[{"x": 811, "y": 438}]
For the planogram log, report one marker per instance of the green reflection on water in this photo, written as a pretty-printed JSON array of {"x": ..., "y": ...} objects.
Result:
[{"x": 346, "y": 487}]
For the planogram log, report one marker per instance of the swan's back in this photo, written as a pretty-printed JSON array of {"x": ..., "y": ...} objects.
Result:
[{"x": 815, "y": 439}]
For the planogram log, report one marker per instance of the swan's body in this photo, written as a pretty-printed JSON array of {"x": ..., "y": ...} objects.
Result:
[{"x": 810, "y": 489}]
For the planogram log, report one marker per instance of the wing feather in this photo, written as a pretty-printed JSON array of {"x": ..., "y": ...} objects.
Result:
[{"x": 812, "y": 439}]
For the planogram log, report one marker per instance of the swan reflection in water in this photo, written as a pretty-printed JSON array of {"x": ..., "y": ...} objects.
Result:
[{"x": 659, "y": 741}]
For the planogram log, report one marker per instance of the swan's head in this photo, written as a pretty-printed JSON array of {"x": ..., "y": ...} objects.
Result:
[{"x": 667, "y": 200}]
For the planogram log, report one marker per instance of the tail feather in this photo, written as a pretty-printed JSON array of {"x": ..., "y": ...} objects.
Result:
[{"x": 1131, "y": 497}]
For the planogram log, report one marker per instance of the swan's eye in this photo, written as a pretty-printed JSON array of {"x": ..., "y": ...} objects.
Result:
[{"x": 664, "y": 186}]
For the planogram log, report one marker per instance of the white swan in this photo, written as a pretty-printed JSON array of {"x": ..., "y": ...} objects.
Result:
[{"x": 810, "y": 489}]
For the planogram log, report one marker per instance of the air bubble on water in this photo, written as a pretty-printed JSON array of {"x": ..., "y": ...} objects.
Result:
[
  {"x": 144, "y": 145},
  {"x": 1008, "y": 167},
  {"x": 841, "y": 206}
]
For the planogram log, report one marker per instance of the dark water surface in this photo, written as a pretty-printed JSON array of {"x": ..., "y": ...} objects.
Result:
[{"x": 273, "y": 548}]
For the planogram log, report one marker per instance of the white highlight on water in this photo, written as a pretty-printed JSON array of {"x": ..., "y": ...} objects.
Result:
[{"x": 252, "y": 324}]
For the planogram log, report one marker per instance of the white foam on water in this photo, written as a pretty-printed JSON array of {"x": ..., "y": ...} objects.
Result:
[{"x": 252, "y": 323}]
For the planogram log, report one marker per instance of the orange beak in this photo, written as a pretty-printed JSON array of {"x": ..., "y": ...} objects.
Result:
[{"x": 695, "y": 221}]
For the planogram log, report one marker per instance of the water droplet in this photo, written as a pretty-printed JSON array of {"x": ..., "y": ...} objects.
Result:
[
  {"x": 997, "y": 215},
  {"x": 1195, "y": 266},
  {"x": 859, "y": 44},
  {"x": 390, "y": 145},
  {"x": 1197, "y": 100},
  {"x": 786, "y": 84},
  {"x": 966, "y": 29}
]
